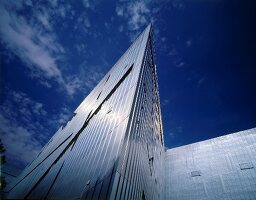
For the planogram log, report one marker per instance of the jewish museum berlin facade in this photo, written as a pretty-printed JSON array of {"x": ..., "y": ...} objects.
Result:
[{"x": 113, "y": 147}]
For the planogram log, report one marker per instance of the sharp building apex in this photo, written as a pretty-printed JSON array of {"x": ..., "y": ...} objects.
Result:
[{"x": 113, "y": 147}]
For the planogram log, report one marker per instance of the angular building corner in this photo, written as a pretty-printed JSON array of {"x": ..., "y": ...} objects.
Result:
[{"x": 113, "y": 146}]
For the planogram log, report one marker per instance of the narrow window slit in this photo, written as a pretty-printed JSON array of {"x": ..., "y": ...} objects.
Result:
[{"x": 99, "y": 95}]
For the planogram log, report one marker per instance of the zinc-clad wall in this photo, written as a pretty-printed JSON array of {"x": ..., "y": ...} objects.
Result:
[
  {"x": 84, "y": 153},
  {"x": 219, "y": 168},
  {"x": 139, "y": 171}
]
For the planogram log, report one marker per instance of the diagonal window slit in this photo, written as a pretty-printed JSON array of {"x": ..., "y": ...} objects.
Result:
[
  {"x": 48, "y": 192},
  {"x": 74, "y": 139},
  {"x": 42, "y": 161}
]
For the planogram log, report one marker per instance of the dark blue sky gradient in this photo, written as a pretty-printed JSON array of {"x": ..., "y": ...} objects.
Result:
[
  {"x": 205, "y": 52},
  {"x": 214, "y": 92}
]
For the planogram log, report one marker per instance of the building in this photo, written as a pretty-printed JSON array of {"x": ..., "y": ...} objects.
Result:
[
  {"x": 219, "y": 168},
  {"x": 113, "y": 147}
]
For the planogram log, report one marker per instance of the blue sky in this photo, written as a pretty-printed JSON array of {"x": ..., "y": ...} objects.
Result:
[{"x": 54, "y": 52}]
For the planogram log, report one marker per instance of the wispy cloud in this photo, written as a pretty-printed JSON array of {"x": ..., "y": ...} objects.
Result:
[
  {"x": 44, "y": 19},
  {"x": 91, "y": 75},
  {"x": 120, "y": 10},
  {"x": 171, "y": 135},
  {"x": 20, "y": 130},
  {"x": 121, "y": 28},
  {"x": 90, "y": 4},
  {"x": 20, "y": 143},
  {"x": 28, "y": 43},
  {"x": 86, "y": 3},
  {"x": 35, "y": 43},
  {"x": 83, "y": 20},
  {"x": 80, "y": 48},
  {"x": 189, "y": 43},
  {"x": 178, "y": 4},
  {"x": 137, "y": 15},
  {"x": 173, "y": 52},
  {"x": 175, "y": 131},
  {"x": 165, "y": 102},
  {"x": 178, "y": 62},
  {"x": 138, "y": 12},
  {"x": 26, "y": 126}
]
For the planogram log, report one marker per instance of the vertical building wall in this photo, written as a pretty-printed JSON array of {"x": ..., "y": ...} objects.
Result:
[
  {"x": 139, "y": 171},
  {"x": 219, "y": 168},
  {"x": 81, "y": 159},
  {"x": 112, "y": 148}
]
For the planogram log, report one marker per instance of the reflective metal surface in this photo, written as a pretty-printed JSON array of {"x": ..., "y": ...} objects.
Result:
[
  {"x": 219, "y": 168},
  {"x": 112, "y": 148},
  {"x": 109, "y": 138}
]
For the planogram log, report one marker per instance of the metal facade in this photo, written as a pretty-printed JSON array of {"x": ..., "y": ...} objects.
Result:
[
  {"x": 219, "y": 168},
  {"x": 112, "y": 148},
  {"x": 113, "y": 145}
]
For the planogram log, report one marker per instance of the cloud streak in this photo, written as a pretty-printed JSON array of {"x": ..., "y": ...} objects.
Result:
[
  {"x": 35, "y": 43},
  {"x": 20, "y": 143},
  {"x": 137, "y": 15},
  {"x": 25, "y": 126}
]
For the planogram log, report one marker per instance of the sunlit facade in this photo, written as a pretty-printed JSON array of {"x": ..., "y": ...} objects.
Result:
[{"x": 113, "y": 147}]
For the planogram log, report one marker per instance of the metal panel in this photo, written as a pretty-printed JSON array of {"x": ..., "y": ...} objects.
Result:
[
  {"x": 92, "y": 142},
  {"x": 112, "y": 148},
  {"x": 219, "y": 168}
]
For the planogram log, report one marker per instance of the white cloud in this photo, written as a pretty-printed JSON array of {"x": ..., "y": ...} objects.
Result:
[
  {"x": 119, "y": 10},
  {"x": 86, "y": 3},
  {"x": 28, "y": 2},
  {"x": 38, "y": 109},
  {"x": 165, "y": 102},
  {"x": 25, "y": 126},
  {"x": 62, "y": 11},
  {"x": 74, "y": 83},
  {"x": 137, "y": 14},
  {"x": 163, "y": 39},
  {"x": 189, "y": 43},
  {"x": 25, "y": 105},
  {"x": 88, "y": 76},
  {"x": 81, "y": 47},
  {"x": 172, "y": 135},
  {"x": 178, "y": 4},
  {"x": 64, "y": 115},
  {"x": 20, "y": 38},
  {"x": 87, "y": 22},
  {"x": 35, "y": 43},
  {"x": 173, "y": 52},
  {"x": 83, "y": 22},
  {"x": 180, "y": 64},
  {"x": 20, "y": 131},
  {"x": 44, "y": 19},
  {"x": 54, "y": 3},
  {"x": 20, "y": 144},
  {"x": 121, "y": 28}
]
